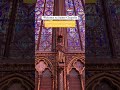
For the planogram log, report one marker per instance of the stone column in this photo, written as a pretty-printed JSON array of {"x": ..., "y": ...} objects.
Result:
[
  {"x": 40, "y": 67},
  {"x": 61, "y": 80}
]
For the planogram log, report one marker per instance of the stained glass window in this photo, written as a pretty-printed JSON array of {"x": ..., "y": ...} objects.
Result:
[
  {"x": 23, "y": 34},
  {"x": 97, "y": 42},
  {"x": 113, "y": 11},
  {"x": 43, "y": 35},
  {"x": 5, "y": 12},
  {"x": 76, "y": 36}
]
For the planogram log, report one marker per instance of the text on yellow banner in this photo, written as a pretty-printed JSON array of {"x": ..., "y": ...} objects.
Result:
[
  {"x": 90, "y": 1},
  {"x": 60, "y": 23},
  {"x": 29, "y": 1}
]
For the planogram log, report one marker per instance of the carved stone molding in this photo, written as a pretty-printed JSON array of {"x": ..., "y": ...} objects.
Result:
[
  {"x": 103, "y": 67},
  {"x": 10, "y": 79},
  {"x": 17, "y": 67},
  {"x": 94, "y": 77}
]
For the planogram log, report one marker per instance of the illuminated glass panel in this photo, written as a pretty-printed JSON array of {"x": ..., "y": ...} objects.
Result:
[
  {"x": 76, "y": 36},
  {"x": 43, "y": 36}
]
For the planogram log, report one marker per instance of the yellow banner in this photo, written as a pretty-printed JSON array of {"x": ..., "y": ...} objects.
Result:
[
  {"x": 90, "y": 1},
  {"x": 60, "y": 24},
  {"x": 29, "y": 1}
]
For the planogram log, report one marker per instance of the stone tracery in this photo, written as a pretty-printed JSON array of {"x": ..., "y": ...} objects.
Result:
[{"x": 59, "y": 42}]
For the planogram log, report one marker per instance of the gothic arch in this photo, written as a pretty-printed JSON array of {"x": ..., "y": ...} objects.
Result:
[
  {"x": 46, "y": 61},
  {"x": 77, "y": 64},
  {"x": 45, "y": 71},
  {"x": 112, "y": 79},
  {"x": 11, "y": 79},
  {"x": 73, "y": 61}
]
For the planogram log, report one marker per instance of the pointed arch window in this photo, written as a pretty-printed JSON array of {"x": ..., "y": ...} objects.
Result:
[
  {"x": 75, "y": 36},
  {"x": 43, "y": 36}
]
